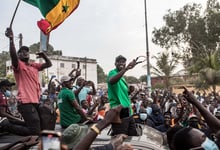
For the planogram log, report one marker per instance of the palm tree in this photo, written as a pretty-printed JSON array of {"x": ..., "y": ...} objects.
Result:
[
  {"x": 208, "y": 69},
  {"x": 165, "y": 66}
]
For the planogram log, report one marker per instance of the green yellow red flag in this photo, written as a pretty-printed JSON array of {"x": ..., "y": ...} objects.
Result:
[{"x": 54, "y": 11}]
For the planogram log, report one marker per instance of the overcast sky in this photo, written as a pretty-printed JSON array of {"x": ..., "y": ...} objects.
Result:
[{"x": 99, "y": 29}]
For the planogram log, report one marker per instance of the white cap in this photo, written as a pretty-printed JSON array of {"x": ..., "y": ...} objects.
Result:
[{"x": 64, "y": 79}]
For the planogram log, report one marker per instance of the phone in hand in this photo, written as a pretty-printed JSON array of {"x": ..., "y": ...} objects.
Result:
[
  {"x": 50, "y": 140},
  {"x": 124, "y": 112}
]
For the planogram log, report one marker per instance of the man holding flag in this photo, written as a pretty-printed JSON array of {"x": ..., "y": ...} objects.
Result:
[{"x": 27, "y": 79}]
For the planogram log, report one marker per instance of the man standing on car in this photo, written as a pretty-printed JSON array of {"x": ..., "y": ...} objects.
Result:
[
  {"x": 27, "y": 79},
  {"x": 118, "y": 94}
]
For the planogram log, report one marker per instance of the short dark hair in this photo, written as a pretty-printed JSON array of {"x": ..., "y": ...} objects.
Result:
[{"x": 23, "y": 48}]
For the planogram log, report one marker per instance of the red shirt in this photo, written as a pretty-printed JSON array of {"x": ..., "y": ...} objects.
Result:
[{"x": 27, "y": 79}]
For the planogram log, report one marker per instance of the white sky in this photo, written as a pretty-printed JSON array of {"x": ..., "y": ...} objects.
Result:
[{"x": 99, "y": 29}]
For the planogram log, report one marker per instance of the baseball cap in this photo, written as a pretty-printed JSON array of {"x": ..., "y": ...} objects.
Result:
[
  {"x": 119, "y": 58},
  {"x": 65, "y": 78}
]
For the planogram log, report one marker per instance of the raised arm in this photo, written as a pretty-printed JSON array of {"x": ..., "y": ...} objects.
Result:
[
  {"x": 210, "y": 119},
  {"x": 47, "y": 63},
  {"x": 12, "y": 50},
  {"x": 117, "y": 77}
]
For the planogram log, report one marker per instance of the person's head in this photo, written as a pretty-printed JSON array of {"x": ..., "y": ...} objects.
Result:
[
  {"x": 193, "y": 121},
  {"x": 80, "y": 81},
  {"x": 155, "y": 109},
  {"x": 131, "y": 89},
  {"x": 120, "y": 62},
  {"x": 191, "y": 138},
  {"x": 178, "y": 108},
  {"x": 5, "y": 85},
  {"x": 85, "y": 104},
  {"x": 66, "y": 81},
  {"x": 73, "y": 134},
  {"x": 23, "y": 53},
  {"x": 167, "y": 118},
  {"x": 170, "y": 134},
  {"x": 104, "y": 99}
]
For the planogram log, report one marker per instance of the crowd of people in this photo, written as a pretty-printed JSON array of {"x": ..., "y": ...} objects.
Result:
[{"x": 189, "y": 120}]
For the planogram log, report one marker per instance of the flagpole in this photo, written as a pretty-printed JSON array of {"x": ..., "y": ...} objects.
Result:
[
  {"x": 12, "y": 19},
  {"x": 147, "y": 50}
]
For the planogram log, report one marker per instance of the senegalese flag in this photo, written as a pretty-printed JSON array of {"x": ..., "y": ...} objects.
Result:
[{"x": 54, "y": 11}]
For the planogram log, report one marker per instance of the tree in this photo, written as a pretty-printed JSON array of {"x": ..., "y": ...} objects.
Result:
[
  {"x": 197, "y": 37},
  {"x": 190, "y": 31},
  {"x": 35, "y": 48},
  {"x": 4, "y": 56},
  {"x": 208, "y": 70},
  {"x": 165, "y": 66},
  {"x": 131, "y": 79},
  {"x": 143, "y": 78},
  {"x": 101, "y": 75}
]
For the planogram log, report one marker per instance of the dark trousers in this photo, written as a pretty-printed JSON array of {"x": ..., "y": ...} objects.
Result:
[
  {"x": 31, "y": 118},
  {"x": 127, "y": 126}
]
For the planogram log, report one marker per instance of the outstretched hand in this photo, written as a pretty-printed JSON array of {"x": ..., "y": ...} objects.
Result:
[
  {"x": 9, "y": 33},
  {"x": 189, "y": 96},
  {"x": 131, "y": 64}
]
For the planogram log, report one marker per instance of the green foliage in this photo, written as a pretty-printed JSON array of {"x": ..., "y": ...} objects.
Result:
[
  {"x": 196, "y": 35},
  {"x": 35, "y": 48},
  {"x": 159, "y": 86},
  {"x": 165, "y": 66},
  {"x": 191, "y": 32},
  {"x": 131, "y": 79},
  {"x": 4, "y": 56},
  {"x": 101, "y": 75},
  {"x": 143, "y": 78}
]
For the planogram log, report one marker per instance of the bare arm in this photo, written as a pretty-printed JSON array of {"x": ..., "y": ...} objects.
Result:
[
  {"x": 3, "y": 113},
  {"x": 79, "y": 110},
  {"x": 111, "y": 116},
  {"x": 211, "y": 120},
  {"x": 12, "y": 50},
  {"x": 117, "y": 77},
  {"x": 47, "y": 63}
]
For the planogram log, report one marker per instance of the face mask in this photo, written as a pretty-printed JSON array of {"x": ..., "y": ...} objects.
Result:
[
  {"x": 143, "y": 116},
  {"x": 7, "y": 93},
  {"x": 44, "y": 97},
  {"x": 209, "y": 145}
]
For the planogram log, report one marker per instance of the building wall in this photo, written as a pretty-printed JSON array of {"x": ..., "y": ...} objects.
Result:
[{"x": 63, "y": 65}]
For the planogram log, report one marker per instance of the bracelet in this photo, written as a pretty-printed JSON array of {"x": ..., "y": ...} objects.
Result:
[{"x": 95, "y": 129}]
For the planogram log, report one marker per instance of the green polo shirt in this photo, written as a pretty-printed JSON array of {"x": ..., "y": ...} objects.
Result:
[
  {"x": 118, "y": 92},
  {"x": 68, "y": 114}
]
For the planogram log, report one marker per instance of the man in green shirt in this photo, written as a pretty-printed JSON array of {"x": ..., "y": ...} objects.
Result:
[
  {"x": 70, "y": 110},
  {"x": 118, "y": 94},
  {"x": 117, "y": 86}
]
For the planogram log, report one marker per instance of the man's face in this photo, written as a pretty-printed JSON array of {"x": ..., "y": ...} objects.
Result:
[
  {"x": 23, "y": 55},
  {"x": 167, "y": 119},
  {"x": 120, "y": 64}
]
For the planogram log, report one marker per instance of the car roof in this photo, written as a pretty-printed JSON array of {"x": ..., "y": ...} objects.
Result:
[{"x": 151, "y": 139}]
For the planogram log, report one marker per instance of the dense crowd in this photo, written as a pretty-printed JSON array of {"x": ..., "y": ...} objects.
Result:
[{"x": 189, "y": 120}]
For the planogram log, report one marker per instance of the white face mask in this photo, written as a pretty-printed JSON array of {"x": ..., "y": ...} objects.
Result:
[
  {"x": 209, "y": 145},
  {"x": 143, "y": 116},
  {"x": 7, "y": 93}
]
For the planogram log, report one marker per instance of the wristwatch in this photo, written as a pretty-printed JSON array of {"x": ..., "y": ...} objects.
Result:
[{"x": 95, "y": 129}]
